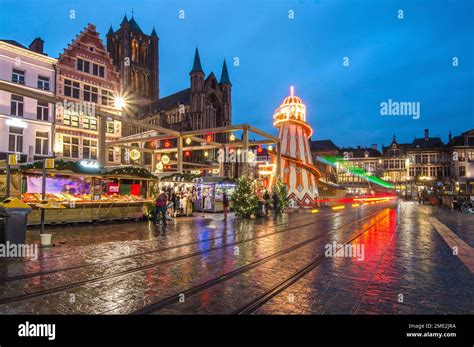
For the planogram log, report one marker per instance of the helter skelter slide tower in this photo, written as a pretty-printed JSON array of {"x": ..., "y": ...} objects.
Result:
[{"x": 298, "y": 171}]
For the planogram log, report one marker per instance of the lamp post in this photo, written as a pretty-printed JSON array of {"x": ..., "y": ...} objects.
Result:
[{"x": 43, "y": 194}]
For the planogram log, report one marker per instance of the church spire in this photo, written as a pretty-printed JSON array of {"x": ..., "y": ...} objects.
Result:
[
  {"x": 197, "y": 68},
  {"x": 153, "y": 33},
  {"x": 225, "y": 75},
  {"x": 111, "y": 31},
  {"x": 124, "y": 20}
]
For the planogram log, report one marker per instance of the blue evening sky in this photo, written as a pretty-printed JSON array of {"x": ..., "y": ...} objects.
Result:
[{"x": 402, "y": 60}]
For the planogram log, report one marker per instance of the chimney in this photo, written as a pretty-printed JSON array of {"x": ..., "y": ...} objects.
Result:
[
  {"x": 37, "y": 45},
  {"x": 427, "y": 134},
  {"x": 374, "y": 146}
]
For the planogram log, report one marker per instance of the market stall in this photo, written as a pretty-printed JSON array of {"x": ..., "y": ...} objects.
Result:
[
  {"x": 209, "y": 193},
  {"x": 88, "y": 194},
  {"x": 182, "y": 190}
]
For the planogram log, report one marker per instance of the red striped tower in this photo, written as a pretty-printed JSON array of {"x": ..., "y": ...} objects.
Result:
[{"x": 298, "y": 171}]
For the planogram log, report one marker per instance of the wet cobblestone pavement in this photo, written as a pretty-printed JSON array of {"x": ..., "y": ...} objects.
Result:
[
  {"x": 462, "y": 224},
  {"x": 205, "y": 265}
]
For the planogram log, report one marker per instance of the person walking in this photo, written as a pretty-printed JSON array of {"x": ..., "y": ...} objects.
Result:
[
  {"x": 266, "y": 198},
  {"x": 161, "y": 204},
  {"x": 225, "y": 203},
  {"x": 276, "y": 205}
]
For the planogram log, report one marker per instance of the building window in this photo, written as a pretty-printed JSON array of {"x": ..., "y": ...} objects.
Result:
[
  {"x": 135, "y": 50},
  {"x": 86, "y": 122},
  {"x": 439, "y": 172},
  {"x": 98, "y": 70},
  {"x": 432, "y": 171},
  {"x": 71, "y": 119},
  {"x": 424, "y": 159},
  {"x": 111, "y": 155},
  {"x": 91, "y": 93},
  {"x": 42, "y": 111},
  {"x": 93, "y": 122},
  {"x": 71, "y": 89},
  {"x": 110, "y": 127},
  {"x": 71, "y": 147},
  {"x": 18, "y": 76},
  {"x": 89, "y": 149},
  {"x": 89, "y": 123},
  {"x": 446, "y": 171},
  {"x": 107, "y": 98},
  {"x": 42, "y": 143},
  {"x": 16, "y": 105},
  {"x": 470, "y": 155},
  {"x": 462, "y": 171},
  {"x": 83, "y": 65},
  {"x": 15, "y": 140},
  {"x": 43, "y": 83}
]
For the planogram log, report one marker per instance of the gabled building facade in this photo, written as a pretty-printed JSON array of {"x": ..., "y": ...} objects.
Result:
[
  {"x": 86, "y": 80},
  {"x": 462, "y": 162}
]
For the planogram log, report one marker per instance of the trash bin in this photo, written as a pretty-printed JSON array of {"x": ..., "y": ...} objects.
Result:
[{"x": 14, "y": 213}]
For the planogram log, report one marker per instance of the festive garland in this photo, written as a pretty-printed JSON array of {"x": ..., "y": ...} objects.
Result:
[
  {"x": 59, "y": 165},
  {"x": 130, "y": 171},
  {"x": 180, "y": 177},
  {"x": 63, "y": 165}
]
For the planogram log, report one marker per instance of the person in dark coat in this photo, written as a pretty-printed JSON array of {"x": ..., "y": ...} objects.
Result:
[
  {"x": 276, "y": 204},
  {"x": 225, "y": 203}
]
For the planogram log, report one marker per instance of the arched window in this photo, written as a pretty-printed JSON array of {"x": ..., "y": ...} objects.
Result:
[
  {"x": 136, "y": 86},
  {"x": 134, "y": 50},
  {"x": 144, "y": 53},
  {"x": 147, "y": 85}
]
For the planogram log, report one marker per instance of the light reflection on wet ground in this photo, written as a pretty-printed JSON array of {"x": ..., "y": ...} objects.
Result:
[{"x": 120, "y": 268}]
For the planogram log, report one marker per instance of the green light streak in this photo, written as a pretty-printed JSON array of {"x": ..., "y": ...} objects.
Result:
[{"x": 354, "y": 170}]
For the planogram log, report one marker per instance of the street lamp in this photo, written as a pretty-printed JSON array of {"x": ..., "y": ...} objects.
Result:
[{"x": 119, "y": 102}]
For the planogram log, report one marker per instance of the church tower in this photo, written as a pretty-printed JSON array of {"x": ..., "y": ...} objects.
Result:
[
  {"x": 197, "y": 86},
  {"x": 226, "y": 88},
  {"x": 135, "y": 55}
]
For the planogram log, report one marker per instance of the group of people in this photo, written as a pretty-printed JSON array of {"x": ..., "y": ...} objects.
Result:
[
  {"x": 270, "y": 201},
  {"x": 169, "y": 204}
]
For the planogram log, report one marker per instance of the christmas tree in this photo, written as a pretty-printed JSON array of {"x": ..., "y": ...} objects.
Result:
[
  {"x": 281, "y": 190},
  {"x": 245, "y": 201}
]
